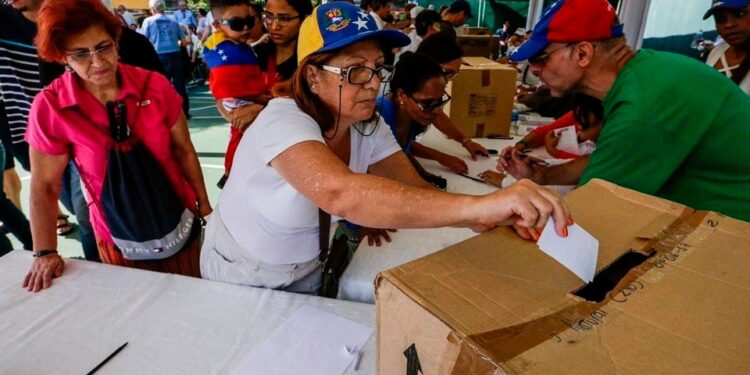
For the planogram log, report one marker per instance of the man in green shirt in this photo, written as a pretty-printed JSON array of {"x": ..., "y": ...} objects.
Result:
[{"x": 673, "y": 127}]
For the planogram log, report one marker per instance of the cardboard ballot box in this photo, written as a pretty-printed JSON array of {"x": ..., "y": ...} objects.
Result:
[
  {"x": 476, "y": 31},
  {"x": 479, "y": 45},
  {"x": 482, "y": 95},
  {"x": 671, "y": 296}
]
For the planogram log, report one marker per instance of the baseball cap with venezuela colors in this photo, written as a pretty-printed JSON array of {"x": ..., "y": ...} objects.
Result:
[
  {"x": 335, "y": 25},
  {"x": 571, "y": 21}
]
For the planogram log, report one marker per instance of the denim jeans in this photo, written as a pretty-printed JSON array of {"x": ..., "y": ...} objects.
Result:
[
  {"x": 12, "y": 217},
  {"x": 71, "y": 196},
  {"x": 175, "y": 72}
]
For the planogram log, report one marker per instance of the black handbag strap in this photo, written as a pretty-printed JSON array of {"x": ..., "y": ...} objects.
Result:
[
  {"x": 137, "y": 112},
  {"x": 324, "y": 219}
]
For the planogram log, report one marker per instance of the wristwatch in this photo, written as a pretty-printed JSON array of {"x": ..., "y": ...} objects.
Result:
[{"x": 44, "y": 253}]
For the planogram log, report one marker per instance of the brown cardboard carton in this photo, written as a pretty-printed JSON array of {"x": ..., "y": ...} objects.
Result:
[
  {"x": 479, "y": 45},
  {"x": 482, "y": 95},
  {"x": 476, "y": 31},
  {"x": 495, "y": 304}
]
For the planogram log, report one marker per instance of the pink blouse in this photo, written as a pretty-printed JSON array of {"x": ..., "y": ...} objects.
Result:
[{"x": 66, "y": 119}]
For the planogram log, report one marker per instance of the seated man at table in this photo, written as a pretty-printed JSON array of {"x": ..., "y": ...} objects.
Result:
[{"x": 673, "y": 127}]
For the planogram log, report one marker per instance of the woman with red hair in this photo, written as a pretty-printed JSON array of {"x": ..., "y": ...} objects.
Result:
[{"x": 98, "y": 111}]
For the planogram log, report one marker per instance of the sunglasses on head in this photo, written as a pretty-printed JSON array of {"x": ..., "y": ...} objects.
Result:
[{"x": 238, "y": 23}]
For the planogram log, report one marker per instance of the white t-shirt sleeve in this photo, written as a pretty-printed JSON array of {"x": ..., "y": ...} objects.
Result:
[
  {"x": 280, "y": 126},
  {"x": 384, "y": 144}
]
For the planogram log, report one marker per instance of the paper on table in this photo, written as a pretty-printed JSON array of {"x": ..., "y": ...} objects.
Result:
[
  {"x": 312, "y": 342},
  {"x": 578, "y": 252},
  {"x": 568, "y": 140}
]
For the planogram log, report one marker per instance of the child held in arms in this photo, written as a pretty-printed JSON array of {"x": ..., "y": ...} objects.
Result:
[{"x": 235, "y": 79}]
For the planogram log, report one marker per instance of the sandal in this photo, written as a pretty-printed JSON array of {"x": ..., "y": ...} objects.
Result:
[{"x": 64, "y": 227}]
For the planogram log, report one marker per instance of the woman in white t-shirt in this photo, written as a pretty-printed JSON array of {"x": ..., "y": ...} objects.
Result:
[
  {"x": 325, "y": 147},
  {"x": 733, "y": 24}
]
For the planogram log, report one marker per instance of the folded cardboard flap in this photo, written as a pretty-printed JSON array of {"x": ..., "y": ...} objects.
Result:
[{"x": 493, "y": 303}]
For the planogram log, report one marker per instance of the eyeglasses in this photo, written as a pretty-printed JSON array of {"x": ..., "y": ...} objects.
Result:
[
  {"x": 360, "y": 75},
  {"x": 85, "y": 57},
  {"x": 449, "y": 74},
  {"x": 281, "y": 19},
  {"x": 428, "y": 106},
  {"x": 238, "y": 23},
  {"x": 723, "y": 14},
  {"x": 542, "y": 57}
]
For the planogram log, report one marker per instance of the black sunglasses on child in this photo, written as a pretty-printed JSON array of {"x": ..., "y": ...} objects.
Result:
[{"x": 238, "y": 23}]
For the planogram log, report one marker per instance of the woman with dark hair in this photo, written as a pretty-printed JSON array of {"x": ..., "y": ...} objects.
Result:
[
  {"x": 97, "y": 111},
  {"x": 325, "y": 149},
  {"x": 733, "y": 24},
  {"x": 443, "y": 49},
  {"x": 277, "y": 58},
  {"x": 417, "y": 96}
]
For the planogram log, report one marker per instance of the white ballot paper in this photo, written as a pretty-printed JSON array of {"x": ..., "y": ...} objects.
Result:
[
  {"x": 311, "y": 342},
  {"x": 568, "y": 140},
  {"x": 578, "y": 252}
]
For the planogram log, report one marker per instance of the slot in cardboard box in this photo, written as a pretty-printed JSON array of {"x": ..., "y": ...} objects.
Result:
[
  {"x": 671, "y": 296},
  {"x": 482, "y": 97}
]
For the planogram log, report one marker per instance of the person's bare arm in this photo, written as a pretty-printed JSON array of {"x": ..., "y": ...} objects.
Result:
[
  {"x": 562, "y": 174},
  {"x": 520, "y": 167},
  {"x": 240, "y": 118},
  {"x": 445, "y": 125},
  {"x": 45, "y": 190},
  {"x": 187, "y": 158},
  {"x": 398, "y": 167},
  {"x": 369, "y": 200},
  {"x": 456, "y": 165}
]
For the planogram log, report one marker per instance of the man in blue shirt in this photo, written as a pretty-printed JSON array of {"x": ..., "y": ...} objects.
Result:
[
  {"x": 183, "y": 15},
  {"x": 165, "y": 35}
]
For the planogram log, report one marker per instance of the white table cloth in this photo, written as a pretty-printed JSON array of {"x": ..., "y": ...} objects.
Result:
[{"x": 173, "y": 324}]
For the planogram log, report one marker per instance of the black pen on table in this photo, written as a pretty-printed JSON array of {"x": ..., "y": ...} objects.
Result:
[{"x": 104, "y": 362}]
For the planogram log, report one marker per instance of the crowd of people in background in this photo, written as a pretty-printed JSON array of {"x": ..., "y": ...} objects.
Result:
[{"x": 325, "y": 105}]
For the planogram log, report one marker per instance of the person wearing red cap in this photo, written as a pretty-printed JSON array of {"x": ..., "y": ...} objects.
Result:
[
  {"x": 673, "y": 127},
  {"x": 732, "y": 19}
]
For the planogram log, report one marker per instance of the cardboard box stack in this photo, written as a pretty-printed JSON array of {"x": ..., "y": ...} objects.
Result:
[
  {"x": 482, "y": 97},
  {"x": 671, "y": 296}
]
